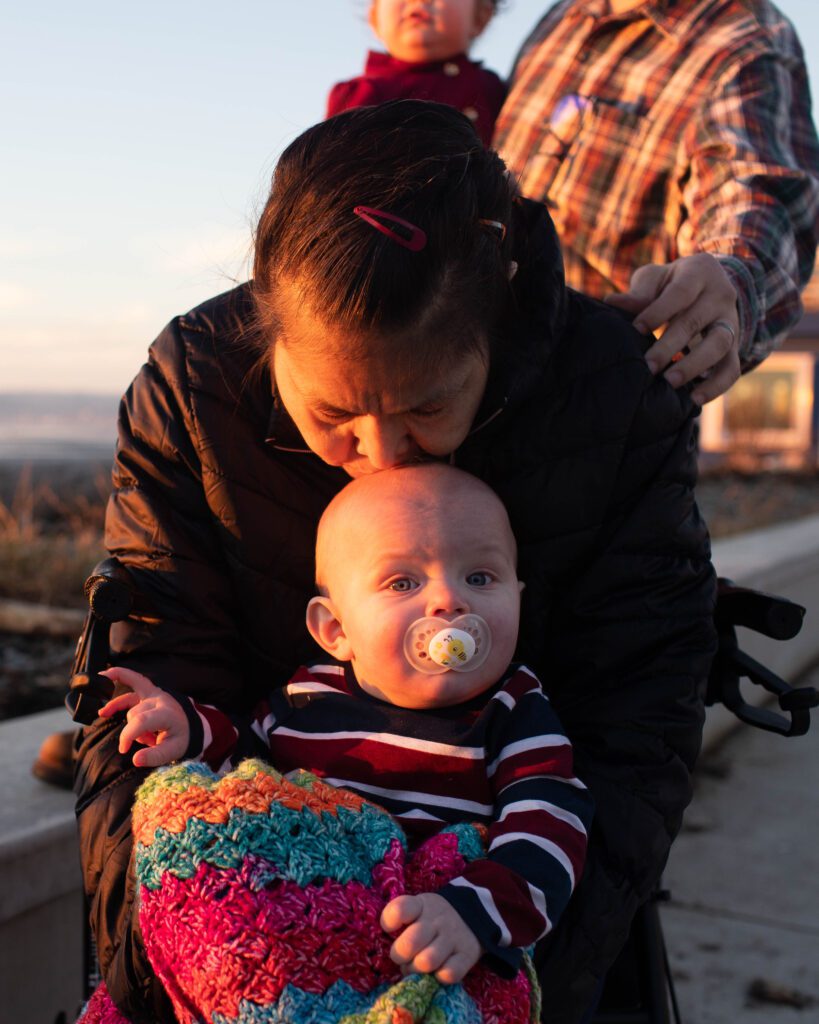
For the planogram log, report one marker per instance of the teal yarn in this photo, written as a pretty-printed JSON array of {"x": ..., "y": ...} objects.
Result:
[{"x": 299, "y": 845}]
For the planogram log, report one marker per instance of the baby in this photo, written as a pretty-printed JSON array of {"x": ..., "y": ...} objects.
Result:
[
  {"x": 421, "y": 710},
  {"x": 426, "y": 59}
]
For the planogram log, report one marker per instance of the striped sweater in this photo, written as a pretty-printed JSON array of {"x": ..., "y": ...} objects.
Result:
[{"x": 501, "y": 759}]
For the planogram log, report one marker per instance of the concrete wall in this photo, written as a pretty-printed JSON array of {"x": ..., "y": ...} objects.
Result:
[
  {"x": 40, "y": 897},
  {"x": 41, "y": 906}
]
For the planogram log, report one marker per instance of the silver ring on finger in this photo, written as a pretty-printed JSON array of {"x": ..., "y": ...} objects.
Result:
[{"x": 725, "y": 325}]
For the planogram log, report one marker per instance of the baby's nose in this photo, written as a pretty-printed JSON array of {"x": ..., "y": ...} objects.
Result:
[{"x": 447, "y": 598}]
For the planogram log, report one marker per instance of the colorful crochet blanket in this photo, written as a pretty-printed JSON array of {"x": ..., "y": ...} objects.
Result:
[{"x": 260, "y": 899}]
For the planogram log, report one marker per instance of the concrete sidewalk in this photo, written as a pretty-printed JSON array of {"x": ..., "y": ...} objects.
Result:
[{"x": 744, "y": 881}]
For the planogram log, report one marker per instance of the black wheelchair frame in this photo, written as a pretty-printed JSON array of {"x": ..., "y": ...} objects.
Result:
[{"x": 639, "y": 987}]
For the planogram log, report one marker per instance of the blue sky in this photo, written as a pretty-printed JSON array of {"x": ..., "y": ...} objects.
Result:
[{"x": 137, "y": 145}]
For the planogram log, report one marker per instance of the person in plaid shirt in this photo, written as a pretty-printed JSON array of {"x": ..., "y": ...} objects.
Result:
[{"x": 672, "y": 141}]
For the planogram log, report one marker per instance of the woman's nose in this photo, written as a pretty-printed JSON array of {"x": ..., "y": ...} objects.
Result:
[
  {"x": 382, "y": 440},
  {"x": 445, "y": 597}
]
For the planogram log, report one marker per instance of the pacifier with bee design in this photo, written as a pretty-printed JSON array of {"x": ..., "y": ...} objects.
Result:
[{"x": 434, "y": 645}]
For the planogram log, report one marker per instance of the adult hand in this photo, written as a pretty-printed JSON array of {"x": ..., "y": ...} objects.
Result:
[
  {"x": 434, "y": 938},
  {"x": 694, "y": 297},
  {"x": 154, "y": 719}
]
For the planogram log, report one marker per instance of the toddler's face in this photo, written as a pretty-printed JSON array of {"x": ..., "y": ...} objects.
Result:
[
  {"x": 397, "y": 559},
  {"x": 424, "y": 30}
]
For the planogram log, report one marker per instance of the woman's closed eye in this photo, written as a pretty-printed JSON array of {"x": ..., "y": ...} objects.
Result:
[
  {"x": 427, "y": 412},
  {"x": 331, "y": 415}
]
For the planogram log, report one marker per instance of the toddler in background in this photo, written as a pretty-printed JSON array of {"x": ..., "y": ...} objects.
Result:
[
  {"x": 426, "y": 59},
  {"x": 421, "y": 710}
]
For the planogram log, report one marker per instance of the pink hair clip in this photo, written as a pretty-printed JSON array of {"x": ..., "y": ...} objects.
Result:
[{"x": 396, "y": 228}]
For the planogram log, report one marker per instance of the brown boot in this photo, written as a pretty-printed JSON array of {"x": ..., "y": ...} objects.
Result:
[{"x": 55, "y": 761}]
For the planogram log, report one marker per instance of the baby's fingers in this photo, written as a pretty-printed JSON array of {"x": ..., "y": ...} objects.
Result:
[
  {"x": 456, "y": 968},
  {"x": 417, "y": 950},
  {"x": 161, "y": 753},
  {"x": 414, "y": 945},
  {"x": 121, "y": 703},
  {"x": 143, "y": 720},
  {"x": 135, "y": 681},
  {"x": 399, "y": 912}
]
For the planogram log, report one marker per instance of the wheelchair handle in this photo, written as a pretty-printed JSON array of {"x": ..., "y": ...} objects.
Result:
[
  {"x": 111, "y": 597},
  {"x": 109, "y": 591},
  {"x": 778, "y": 618},
  {"x": 773, "y": 616}
]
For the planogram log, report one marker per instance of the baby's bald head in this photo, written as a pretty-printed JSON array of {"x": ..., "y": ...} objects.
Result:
[{"x": 427, "y": 494}]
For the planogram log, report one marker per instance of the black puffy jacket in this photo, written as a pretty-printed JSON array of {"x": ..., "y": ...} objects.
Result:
[{"x": 214, "y": 510}]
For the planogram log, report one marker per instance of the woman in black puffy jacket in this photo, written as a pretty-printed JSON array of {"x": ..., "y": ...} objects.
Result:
[{"x": 406, "y": 304}]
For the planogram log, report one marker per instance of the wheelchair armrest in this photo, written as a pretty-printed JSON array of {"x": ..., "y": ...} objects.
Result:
[
  {"x": 778, "y": 618},
  {"x": 111, "y": 596}
]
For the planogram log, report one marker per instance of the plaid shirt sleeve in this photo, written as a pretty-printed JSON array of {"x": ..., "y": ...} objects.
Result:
[
  {"x": 752, "y": 198},
  {"x": 674, "y": 130}
]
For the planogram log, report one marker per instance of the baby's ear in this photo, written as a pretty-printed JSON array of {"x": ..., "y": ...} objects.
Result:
[{"x": 326, "y": 629}]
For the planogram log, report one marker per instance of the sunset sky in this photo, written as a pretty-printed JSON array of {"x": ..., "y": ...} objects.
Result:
[{"x": 137, "y": 147}]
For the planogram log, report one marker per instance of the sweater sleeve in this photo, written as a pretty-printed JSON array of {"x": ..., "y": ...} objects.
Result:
[
  {"x": 752, "y": 194},
  {"x": 229, "y": 739},
  {"x": 537, "y": 837},
  {"x": 218, "y": 736}
]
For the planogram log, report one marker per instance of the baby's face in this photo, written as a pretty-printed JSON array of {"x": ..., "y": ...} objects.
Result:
[
  {"x": 425, "y": 30},
  {"x": 402, "y": 559}
]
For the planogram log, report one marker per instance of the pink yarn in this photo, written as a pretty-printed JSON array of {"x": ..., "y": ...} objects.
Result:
[
  {"x": 217, "y": 940},
  {"x": 100, "y": 1009}
]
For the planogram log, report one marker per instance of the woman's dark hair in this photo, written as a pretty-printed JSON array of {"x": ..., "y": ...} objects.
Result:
[{"x": 422, "y": 162}]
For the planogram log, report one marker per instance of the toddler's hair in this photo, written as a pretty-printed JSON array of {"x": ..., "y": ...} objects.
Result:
[{"x": 423, "y": 162}]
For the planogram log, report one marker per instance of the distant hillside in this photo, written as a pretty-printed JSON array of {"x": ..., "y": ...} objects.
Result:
[{"x": 37, "y": 425}]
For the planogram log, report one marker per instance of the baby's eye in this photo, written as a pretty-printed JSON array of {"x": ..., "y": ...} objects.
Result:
[
  {"x": 478, "y": 579},
  {"x": 403, "y": 585}
]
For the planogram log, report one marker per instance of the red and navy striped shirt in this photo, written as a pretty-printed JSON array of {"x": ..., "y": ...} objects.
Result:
[{"x": 502, "y": 760}]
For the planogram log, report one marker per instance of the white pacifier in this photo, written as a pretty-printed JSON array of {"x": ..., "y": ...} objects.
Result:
[{"x": 433, "y": 645}]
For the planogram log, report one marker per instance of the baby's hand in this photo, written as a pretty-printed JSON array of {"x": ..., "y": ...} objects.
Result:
[
  {"x": 154, "y": 718},
  {"x": 434, "y": 938}
]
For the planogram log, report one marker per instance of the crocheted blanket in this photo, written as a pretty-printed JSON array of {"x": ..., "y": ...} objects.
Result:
[{"x": 260, "y": 898}]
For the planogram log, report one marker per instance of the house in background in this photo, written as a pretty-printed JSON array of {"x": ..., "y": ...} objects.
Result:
[{"x": 770, "y": 418}]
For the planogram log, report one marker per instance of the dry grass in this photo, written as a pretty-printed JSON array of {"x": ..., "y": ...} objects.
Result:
[{"x": 50, "y": 537}]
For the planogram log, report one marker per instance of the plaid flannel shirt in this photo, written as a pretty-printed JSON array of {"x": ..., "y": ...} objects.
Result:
[{"x": 682, "y": 126}]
